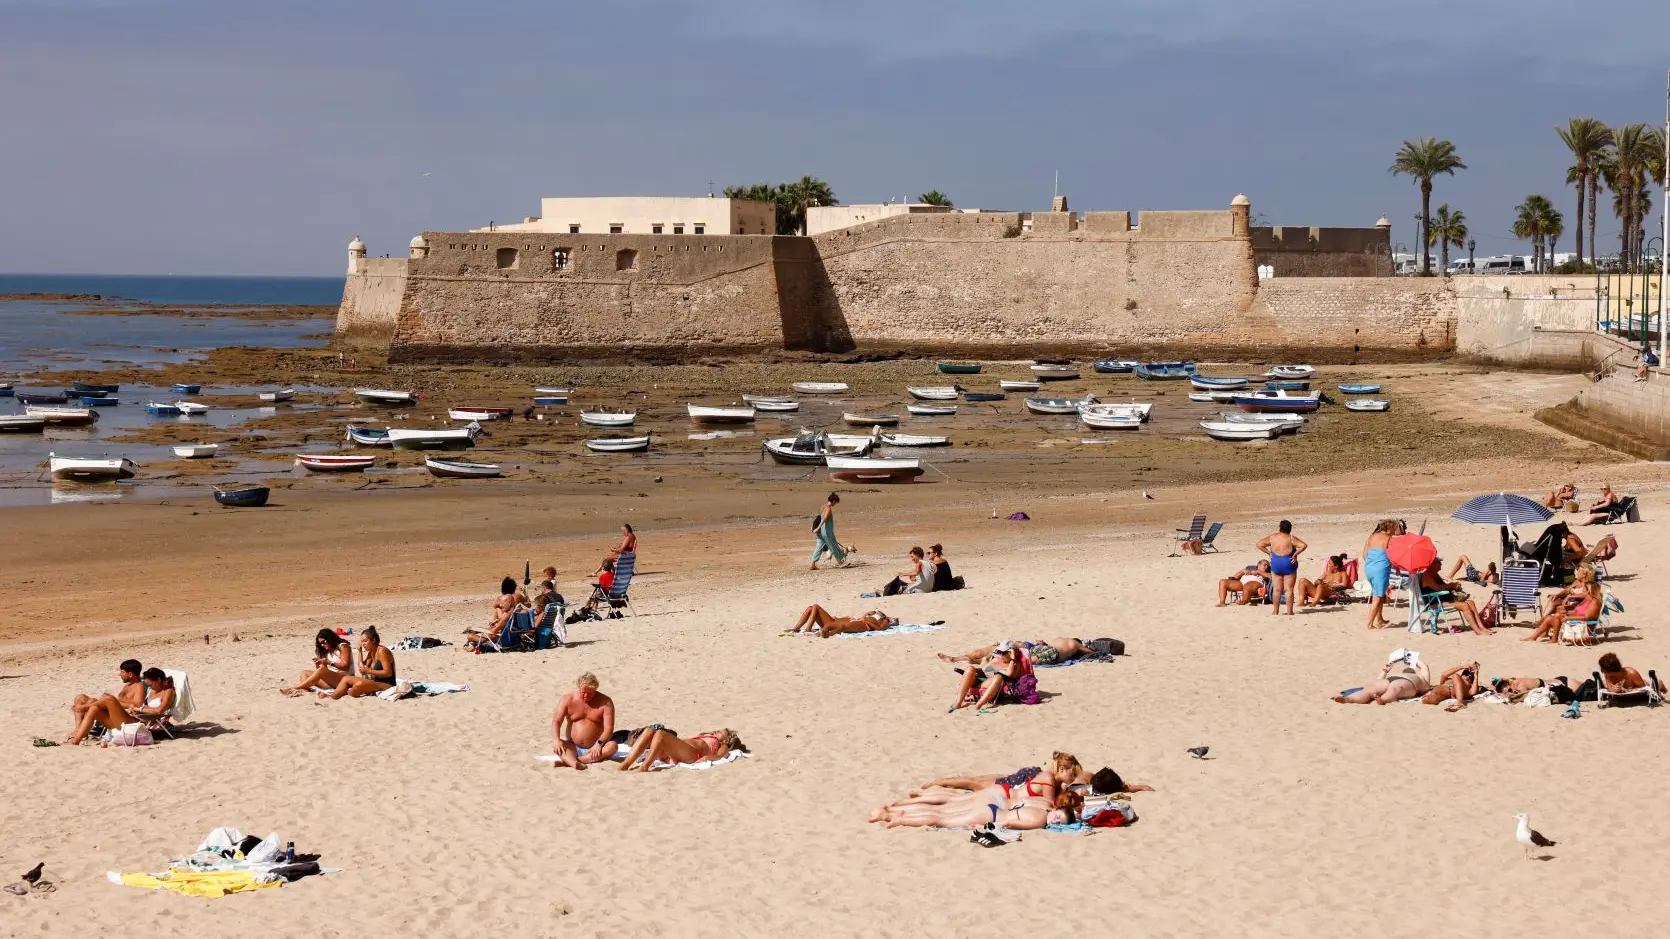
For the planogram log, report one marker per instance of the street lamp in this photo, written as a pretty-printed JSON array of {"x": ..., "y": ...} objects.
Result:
[{"x": 1471, "y": 244}]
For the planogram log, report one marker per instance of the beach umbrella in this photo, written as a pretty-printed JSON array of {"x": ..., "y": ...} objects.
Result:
[
  {"x": 1412, "y": 553},
  {"x": 1503, "y": 508},
  {"x": 527, "y": 572}
]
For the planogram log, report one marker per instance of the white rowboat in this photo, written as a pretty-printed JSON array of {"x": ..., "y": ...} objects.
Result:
[
  {"x": 914, "y": 440},
  {"x": 196, "y": 451},
  {"x": 1368, "y": 404},
  {"x": 944, "y": 393},
  {"x": 608, "y": 418},
  {"x": 870, "y": 420},
  {"x": 1111, "y": 421},
  {"x": 1290, "y": 371},
  {"x": 1224, "y": 430},
  {"x": 58, "y": 415},
  {"x": 1020, "y": 385},
  {"x": 704, "y": 414},
  {"x": 931, "y": 410},
  {"x": 92, "y": 470},
  {"x": 819, "y": 387},
  {"x": 870, "y": 470},
  {"x": 384, "y": 397},
  {"x": 618, "y": 444},
  {"x": 334, "y": 462},
  {"x": 1054, "y": 373},
  {"x": 458, "y": 469},
  {"x": 191, "y": 407},
  {"x": 21, "y": 424},
  {"x": 423, "y": 439},
  {"x": 1140, "y": 411},
  {"x": 283, "y": 394}
]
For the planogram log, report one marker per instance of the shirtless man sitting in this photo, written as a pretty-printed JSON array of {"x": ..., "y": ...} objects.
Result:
[
  {"x": 585, "y": 720},
  {"x": 131, "y": 695},
  {"x": 819, "y": 620}
]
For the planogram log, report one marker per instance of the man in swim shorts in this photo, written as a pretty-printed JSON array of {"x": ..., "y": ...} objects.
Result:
[{"x": 585, "y": 720}]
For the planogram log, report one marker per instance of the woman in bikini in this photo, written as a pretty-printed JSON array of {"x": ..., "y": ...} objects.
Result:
[
  {"x": 655, "y": 744},
  {"x": 1582, "y": 602},
  {"x": 1322, "y": 589},
  {"x": 1398, "y": 680},
  {"x": 1557, "y": 498},
  {"x": 1284, "y": 550},
  {"x": 1458, "y": 686},
  {"x": 1064, "y": 770},
  {"x": 1003, "y": 666},
  {"x": 333, "y": 660},
  {"x": 1020, "y": 813},
  {"x": 817, "y": 619},
  {"x": 376, "y": 670},
  {"x": 108, "y": 711},
  {"x": 628, "y": 542}
]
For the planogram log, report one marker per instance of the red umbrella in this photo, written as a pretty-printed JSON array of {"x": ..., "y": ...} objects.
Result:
[{"x": 1412, "y": 553}]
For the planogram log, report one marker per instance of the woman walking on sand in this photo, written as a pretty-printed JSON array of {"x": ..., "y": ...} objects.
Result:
[
  {"x": 824, "y": 528},
  {"x": 1284, "y": 549}
]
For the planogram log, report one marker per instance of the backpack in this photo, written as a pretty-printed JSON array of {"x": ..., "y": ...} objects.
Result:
[{"x": 1105, "y": 647}]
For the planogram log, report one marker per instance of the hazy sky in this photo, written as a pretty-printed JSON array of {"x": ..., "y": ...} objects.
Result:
[{"x": 226, "y": 136}]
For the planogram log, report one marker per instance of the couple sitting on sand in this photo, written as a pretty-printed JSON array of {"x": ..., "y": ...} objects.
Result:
[
  {"x": 145, "y": 695},
  {"x": 1027, "y": 799},
  {"x": 927, "y": 572},
  {"x": 583, "y": 733},
  {"x": 332, "y": 675}
]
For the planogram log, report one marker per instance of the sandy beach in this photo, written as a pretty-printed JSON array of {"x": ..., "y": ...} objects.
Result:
[{"x": 1311, "y": 816}]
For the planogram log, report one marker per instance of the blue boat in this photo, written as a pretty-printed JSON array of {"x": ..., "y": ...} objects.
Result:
[
  {"x": 239, "y": 497},
  {"x": 1205, "y": 383},
  {"x": 1114, "y": 366},
  {"x": 549, "y": 401},
  {"x": 84, "y": 387},
  {"x": 1164, "y": 371},
  {"x": 185, "y": 389},
  {"x": 1359, "y": 388},
  {"x": 1287, "y": 385},
  {"x": 84, "y": 393},
  {"x": 156, "y": 409},
  {"x": 984, "y": 396},
  {"x": 5, "y": 391},
  {"x": 87, "y": 402},
  {"x": 369, "y": 436}
]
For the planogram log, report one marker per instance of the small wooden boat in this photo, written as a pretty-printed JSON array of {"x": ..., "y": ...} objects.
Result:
[
  {"x": 162, "y": 409},
  {"x": 1110, "y": 421},
  {"x": 1290, "y": 371},
  {"x": 958, "y": 368},
  {"x": 1164, "y": 371},
  {"x": 196, "y": 451},
  {"x": 183, "y": 388},
  {"x": 549, "y": 401},
  {"x": 551, "y": 392},
  {"x": 608, "y": 418},
  {"x": 1277, "y": 401},
  {"x": 819, "y": 387},
  {"x": 618, "y": 444},
  {"x": 385, "y": 398},
  {"x": 1054, "y": 372},
  {"x": 984, "y": 396},
  {"x": 1114, "y": 366},
  {"x": 458, "y": 469},
  {"x": 809, "y": 447},
  {"x": 283, "y": 394},
  {"x": 913, "y": 440},
  {"x": 1287, "y": 384},
  {"x": 1216, "y": 384},
  {"x": 1224, "y": 430},
  {"x": 1368, "y": 404},
  {"x": 1058, "y": 405},
  {"x": 103, "y": 469},
  {"x": 1141, "y": 412},
  {"x": 778, "y": 407},
  {"x": 243, "y": 496},
  {"x": 931, "y": 410},
  {"x": 872, "y": 470},
  {"x": 100, "y": 402},
  {"x": 1020, "y": 385},
  {"x": 1051, "y": 362},
  {"x": 334, "y": 462},
  {"x": 62, "y": 416},
  {"x": 870, "y": 420},
  {"x": 21, "y": 424},
  {"x": 707, "y": 414},
  {"x": 191, "y": 407},
  {"x": 41, "y": 397},
  {"x": 941, "y": 393},
  {"x": 1359, "y": 388},
  {"x": 413, "y": 438},
  {"x": 757, "y": 400},
  {"x": 369, "y": 436},
  {"x": 1288, "y": 423},
  {"x": 478, "y": 414},
  {"x": 83, "y": 387},
  {"x": 72, "y": 393}
]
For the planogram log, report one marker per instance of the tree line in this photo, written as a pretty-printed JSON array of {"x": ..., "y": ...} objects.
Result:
[{"x": 793, "y": 199}]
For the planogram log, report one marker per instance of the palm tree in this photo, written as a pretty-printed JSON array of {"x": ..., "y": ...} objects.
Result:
[
  {"x": 1447, "y": 228},
  {"x": 1540, "y": 223},
  {"x": 801, "y": 195},
  {"x": 1422, "y": 160},
  {"x": 1637, "y": 158},
  {"x": 1588, "y": 140},
  {"x": 935, "y": 197}
]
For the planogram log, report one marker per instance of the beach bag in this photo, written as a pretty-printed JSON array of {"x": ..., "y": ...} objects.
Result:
[
  {"x": 1491, "y": 612},
  {"x": 129, "y": 735},
  {"x": 817, "y": 523},
  {"x": 1561, "y": 693},
  {"x": 1105, "y": 647},
  {"x": 957, "y": 582},
  {"x": 1024, "y": 690},
  {"x": 1586, "y": 691}
]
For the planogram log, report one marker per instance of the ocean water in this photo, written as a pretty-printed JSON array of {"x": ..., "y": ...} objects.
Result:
[{"x": 289, "y": 291}]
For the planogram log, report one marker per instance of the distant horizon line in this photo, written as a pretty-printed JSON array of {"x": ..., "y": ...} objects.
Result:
[{"x": 166, "y": 276}]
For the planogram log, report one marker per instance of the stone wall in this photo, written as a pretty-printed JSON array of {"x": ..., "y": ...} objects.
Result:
[
  {"x": 371, "y": 297},
  {"x": 1351, "y": 318},
  {"x": 1534, "y": 321},
  {"x": 1619, "y": 412},
  {"x": 1324, "y": 252}
]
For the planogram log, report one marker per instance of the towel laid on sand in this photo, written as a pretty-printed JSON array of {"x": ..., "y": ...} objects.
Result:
[
  {"x": 620, "y": 754},
  {"x": 893, "y": 630},
  {"x": 413, "y": 689},
  {"x": 1061, "y": 663}
]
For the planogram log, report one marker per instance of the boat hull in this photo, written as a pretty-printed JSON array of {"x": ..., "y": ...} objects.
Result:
[
  {"x": 607, "y": 419},
  {"x": 928, "y": 410},
  {"x": 1020, "y": 385},
  {"x": 933, "y": 394},
  {"x": 335, "y": 464},
  {"x": 35, "y": 397},
  {"x": 198, "y": 452},
  {"x": 367, "y": 437},
  {"x": 83, "y": 387},
  {"x": 1053, "y": 373},
  {"x": 1277, "y": 405},
  {"x": 92, "y": 470},
  {"x": 1238, "y": 432},
  {"x": 958, "y": 368},
  {"x": 479, "y": 414},
  {"x": 870, "y": 420},
  {"x": 100, "y": 402},
  {"x": 1216, "y": 384},
  {"x": 819, "y": 387},
  {"x": 1111, "y": 421},
  {"x": 1368, "y": 406},
  {"x": 984, "y": 396},
  {"x": 277, "y": 396},
  {"x": 21, "y": 424},
  {"x": 386, "y": 399},
  {"x": 712, "y": 415},
  {"x": 185, "y": 389},
  {"x": 876, "y": 475},
  {"x": 1359, "y": 389},
  {"x": 618, "y": 444},
  {"x": 451, "y": 469},
  {"x": 1114, "y": 366},
  {"x": 914, "y": 440},
  {"x": 63, "y": 417},
  {"x": 243, "y": 497}
]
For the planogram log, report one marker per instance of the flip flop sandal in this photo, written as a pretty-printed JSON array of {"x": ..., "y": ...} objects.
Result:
[
  {"x": 43, "y": 742},
  {"x": 19, "y": 889},
  {"x": 43, "y": 886}
]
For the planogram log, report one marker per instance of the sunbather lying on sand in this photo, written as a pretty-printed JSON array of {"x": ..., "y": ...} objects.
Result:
[
  {"x": 817, "y": 619},
  {"x": 1485, "y": 578},
  {"x": 1557, "y": 498},
  {"x": 1042, "y": 651},
  {"x": 1248, "y": 585},
  {"x": 1064, "y": 770},
  {"x": 333, "y": 660},
  {"x": 985, "y": 807},
  {"x": 1398, "y": 680},
  {"x": 1457, "y": 685},
  {"x": 656, "y": 744}
]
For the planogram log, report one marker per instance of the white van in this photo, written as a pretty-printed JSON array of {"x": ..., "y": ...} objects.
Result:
[{"x": 1504, "y": 264}]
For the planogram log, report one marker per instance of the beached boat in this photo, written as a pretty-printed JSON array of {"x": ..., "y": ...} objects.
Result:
[
  {"x": 1205, "y": 383},
  {"x": 21, "y": 424},
  {"x": 1114, "y": 366},
  {"x": 940, "y": 393},
  {"x": 414, "y": 438},
  {"x": 468, "y": 413},
  {"x": 162, "y": 409},
  {"x": 1359, "y": 388},
  {"x": 384, "y": 398},
  {"x": 6, "y": 389},
  {"x": 1020, "y": 385},
  {"x": 958, "y": 368},
  {"x": 549, "y": 401},
  {"x": 1058, "y": 405},
  {"x": 184, "y": 388},
  {"x": 1047, "y": 360},
  {"x": 870, "y": 420},
  {"x": 368, "y": 436},
  {"x": 1287, "y": 384},
  {"x": 871, "y": 470},
  {"x": 191, "y": 407},
  {"x": 459, "y": 469},
  {"x": 913, "y": 440},
  {"x": 1054, "y": 372},
  {"x": 1290, "y": 371},
  {"x": 984, "y": 396},
  {"x": 931, "y": 410},
  {"x": 709, "y": 414},
  {"x": 819, "y": 387},
  {"x": 1288, "y": 423},
  {"x": 618, "y": 444},
  {"x": 100, "y": 402},
  {"x": 283, "y": 394},
  {"x": 1164, "y": 371},
  {"x": 555, "y": 392},
  {"x": 1277, "y": 401},
  {"x": 71, "y": 394},
  {"x": 1215, "y": 397},
  {"x": 809, "y": 447},
  {"x": 334, "y": 462},
  {"x": 1110, "y": 421},
  {"x": 62, "y": 416},
  {"x": 608, "y": 418},
  {"x": 1142, "y": 412},
  {"x": 85, "y": 387},
  {"x": 247, "y": 496},
  {"x": 757, "y": 400},
  {"x": 777, "y": 407},
  {"x": 41, "y": 397},
  {"x": 102, "y": 469},
  {"x": 1224, "y": 430},
  {"x": 196, "y": 451},
  {"x": 1368, "y": 404}
]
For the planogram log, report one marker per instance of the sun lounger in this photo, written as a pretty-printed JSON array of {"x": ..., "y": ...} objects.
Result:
[
  {"x": 616, "y": 597},
  {"x": 1520, "y": 581},
  {"x": 1649, "y": 695},
  {"x": 1194, "y": 533},
  {"x": 1604, "y": 550}
]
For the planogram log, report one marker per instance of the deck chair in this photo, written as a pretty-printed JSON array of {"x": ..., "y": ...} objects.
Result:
[
  {"x": 1649, "y": 695},
  {"x": 516, "y": 636},
  {"x": 1520, "y": 582},
  {"x": 1604, "y": 550},
  {"x": 1195, "y": 532},
  {"x": 616, "y": 598},
  {"x": 1625, "y": 509},
  {"x": 1432, "y": 611},
  {"x": 181, "y": 712},
  {"x": 1586, "y": 632},
  {"x": 1211, "y": 536},
  {"x": 550, "y": 625}
]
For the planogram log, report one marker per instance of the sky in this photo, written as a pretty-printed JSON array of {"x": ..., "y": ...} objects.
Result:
[{"x": 239, "y": 137}]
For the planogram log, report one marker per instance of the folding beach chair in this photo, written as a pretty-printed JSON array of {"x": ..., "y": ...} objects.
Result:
[
  {"x": 162, "y": 725},
  {"x": 1585, "y": 632},
  {"x": 1625, "y": 509},
  {"x": 1195, "y": 532},
  {"x": 616, "y": 598},
  {"x": 1520, "y": 580},
  {"x": 1604, "y": 550},
  {"x": 549, "y": 632},
  {"x": 516, "y": 636},
  {"x": 1649, "y": 695},
  {"x": 1432, "y": 612},
  {"x": 1211, "y": 536}
]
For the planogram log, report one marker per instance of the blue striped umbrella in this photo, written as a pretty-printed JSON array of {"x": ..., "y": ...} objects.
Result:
[{"x": 1502, "y": 509}]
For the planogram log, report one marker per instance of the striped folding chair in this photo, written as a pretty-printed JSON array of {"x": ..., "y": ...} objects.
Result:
[
  {"x": 1520, "y": 581},
  {"x": 1195, "y": 532}
]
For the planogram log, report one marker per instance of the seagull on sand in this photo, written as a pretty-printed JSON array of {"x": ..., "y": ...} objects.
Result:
[{"x": 1530, "y": 837}]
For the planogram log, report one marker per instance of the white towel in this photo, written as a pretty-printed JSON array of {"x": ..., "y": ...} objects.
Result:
[
  {"x": 419, "y": 689},
  {"x": 183, "y": 703},
  {"x": 890, "y": 631}
]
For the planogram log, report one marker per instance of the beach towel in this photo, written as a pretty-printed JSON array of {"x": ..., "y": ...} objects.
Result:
[
  {"x": 184, "y": 704},
  {"x": 620, "y": 754},
  {"x": 1062, "y": 663},
  {"x": 197, "y": 883},
  {"x": 413, "y": 689},
  {"x": 891, "y": 630}
]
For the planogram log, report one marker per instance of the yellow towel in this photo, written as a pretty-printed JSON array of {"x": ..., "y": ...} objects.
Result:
[{"x": 199, "y": 883}]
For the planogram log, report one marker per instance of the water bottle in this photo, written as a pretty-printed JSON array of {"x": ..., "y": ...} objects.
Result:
[{"x": 290, "y": 853}]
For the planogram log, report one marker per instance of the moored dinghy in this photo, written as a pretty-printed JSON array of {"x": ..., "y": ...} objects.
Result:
[
  {"x": 1224, "y": 430},
  {"x": 870, "y": 420},
  {"x": 709, "y": 414},
  {"x": 99, "y": 469},
  {"x": 1290, "y": 371},
  {"x": 913, "y": 440},
  {"x": 1114, "y": 366},
  {"x": 1008, "y": 385},
  {"x": 105, "y": 402},
  {"x": 21, "y": 424},
  {"x": 83, "y": 387},
  {"x": 191, "y": 407},
  {"x": 385, "y": 398},
  {"x": 282, "y": 394},
  {"x": 819, "y": 387},
  {"x": 246, "y": 496},
  {"x": 1058, "y": 405},
  {"x": 941, "y": 393},
  {"x": 41, "y": 397},
  {"x": 334, "y": 462},
  {"x": 1164, "y": 371},
  {"x": 183, "y": 388},
  {"x": 809, "y": 447},
  {"x": 931, "y": 410},
  {"x": 1359, "y": 388},
  {"x": 369, "y": 436},
  {"x": 1280, "y": 401},
  {"x": 871, "y": 470},
  {"x": 1054, "y": 372},
  {"x": 1288, "y": 423},
  {"x": 1288, "y": 384},
  {"x": 413, "y": 438},
  {"x": 1205, "y": 383},
  {"x": 608, "y": 418},
  {"x": 958, "y": 368},
  {"x": 984, "y": 396},
  {"x": 778, "y": 403},
  {"x": 460, "y": 469},
  {"x": 1142, "y": 411},
  {"x": 618, "y": 444},
  {"x": 196, "y": 451},
  {"x": 1368, "y": 404},
  {"x": 62, "y": 416},
  {"x": 162, "y": 409},
  {"x": 469, "y": 413},
  {"x": 1110, "y": 421}
]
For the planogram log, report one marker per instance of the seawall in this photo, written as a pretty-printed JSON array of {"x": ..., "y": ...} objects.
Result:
[{"x": 371, "y": 297}]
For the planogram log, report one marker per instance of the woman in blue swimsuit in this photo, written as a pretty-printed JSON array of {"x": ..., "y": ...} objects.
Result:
[{"x": 1284, "y": 550}]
